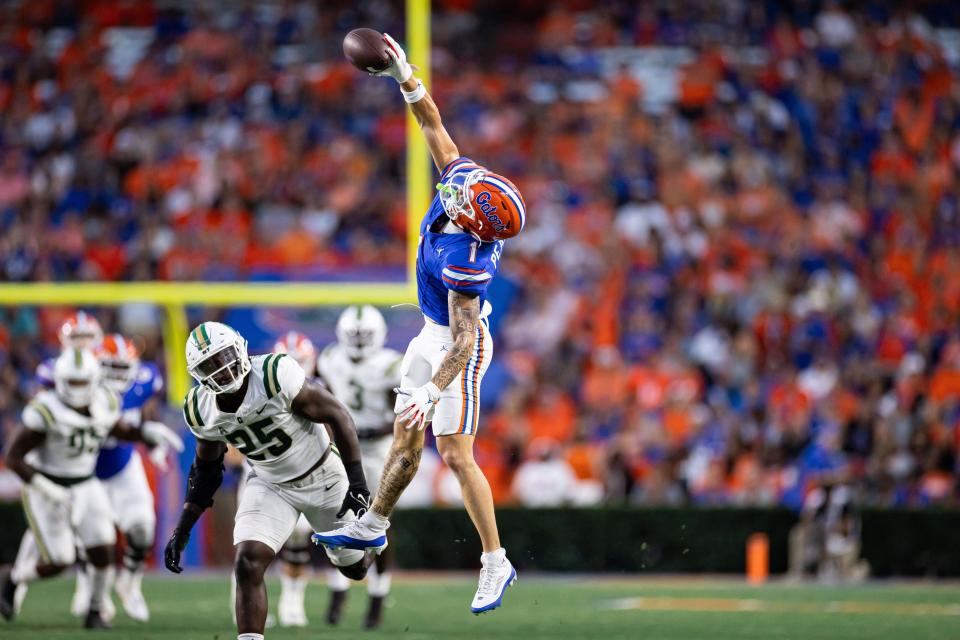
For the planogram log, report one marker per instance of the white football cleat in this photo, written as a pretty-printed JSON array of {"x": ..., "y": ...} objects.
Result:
[
  {"x": 355, "y": 534},
  {"x": 128, "y": 588},
  {"x": 494, "y": 580},
  {"x": 108, "y": 610}
]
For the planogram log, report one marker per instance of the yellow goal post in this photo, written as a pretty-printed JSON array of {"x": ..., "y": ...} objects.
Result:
[{"x": 175, "y": 297}]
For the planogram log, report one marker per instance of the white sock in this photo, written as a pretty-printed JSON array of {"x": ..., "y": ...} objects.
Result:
[
  {"x": 24, "y": 573},
  {"x": 250, "y": 636},
  {"x": 378, "y": 584},
  {"x": 100, "y": 580},
  {"x": 494, "y": 557},
  {"x": 337, "y": 581},
  {"x": 375, "y": 521},
  {"x": 293, "y": 585}
]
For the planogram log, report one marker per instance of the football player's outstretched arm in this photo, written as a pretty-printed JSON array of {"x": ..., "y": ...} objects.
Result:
[
  {"x": 424, "y": 109},
  {"x": 315, "y": 403},
  {"x": 150, "y": 432},
  {"x": 464, "y": 318},
  {"x": 205, "y": 477},
  {"x": 23, "y": 443}
]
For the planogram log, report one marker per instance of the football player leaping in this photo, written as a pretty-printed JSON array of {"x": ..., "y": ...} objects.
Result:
[
  {"x": 55, "y": 455},
  {"x": 271, "y": 413},
  {"x": 362, "y": 374},
  {"x": 461, "y": 238}
]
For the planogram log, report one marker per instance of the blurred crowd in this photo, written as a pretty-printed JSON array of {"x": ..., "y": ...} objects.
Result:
[{"x": 735, "y": 283}]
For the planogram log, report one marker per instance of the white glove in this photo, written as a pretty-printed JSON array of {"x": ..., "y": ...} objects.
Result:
[
  {"x": 158, "y": 456},
  {"x": 57, "y": 495},
  {"x": 417, "y": 405},
  {"x": 399, "y": 69},
  {"x": 157, "y": 434}
]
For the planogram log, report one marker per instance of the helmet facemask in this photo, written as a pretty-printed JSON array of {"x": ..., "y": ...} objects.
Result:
[
  {"x": 224, "y": 370},
  {"x": 361, "y": 331},
  {"x": 76, "y": 392},
  {"x": 456, "y": 197},
  {"x": 75, "y": 375}
]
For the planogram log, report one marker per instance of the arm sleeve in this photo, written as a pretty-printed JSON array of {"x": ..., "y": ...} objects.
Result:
[
  {"x": 191, "y": 413},
  {"x": 470, "y": 279},
  {"x": 456, "y": 166},
  {"x": 291, "y": 376}
]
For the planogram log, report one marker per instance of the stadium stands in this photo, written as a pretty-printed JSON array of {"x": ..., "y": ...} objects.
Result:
[{"x": 739, "y": 273}]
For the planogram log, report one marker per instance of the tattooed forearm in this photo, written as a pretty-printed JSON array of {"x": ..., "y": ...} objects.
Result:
[
  {"x": 464, "y": 318},
  {"x": 398, "y": 471}
]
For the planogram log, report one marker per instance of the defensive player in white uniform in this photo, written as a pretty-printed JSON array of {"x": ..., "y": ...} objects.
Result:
[
  {"x": 461, "y": 240},
  {"x": 120, "y": 470},
  {"x": 272, "y": 414},
  {"x": 80, "y": 330},
  {"x": 55, "y": 455},
  {"x": 363, "y": 374}
]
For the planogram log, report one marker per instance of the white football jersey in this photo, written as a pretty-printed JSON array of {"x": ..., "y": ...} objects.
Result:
[
  {"x": 364, "y": 386},
  {"x": 73, "y": 440},
  {"x": 278, "y": 444}
]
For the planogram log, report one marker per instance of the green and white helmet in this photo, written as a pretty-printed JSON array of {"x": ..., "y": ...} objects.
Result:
[
  {"x": 217, "y": 357},
  {"x": 75, "y": 375},
  {"x": 361, "y": 330}
]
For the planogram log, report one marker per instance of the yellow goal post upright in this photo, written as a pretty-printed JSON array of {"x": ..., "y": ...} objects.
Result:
[{"x": 175, "y": 297}]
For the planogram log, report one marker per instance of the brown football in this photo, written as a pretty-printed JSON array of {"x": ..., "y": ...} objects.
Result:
[{"x": 366, "y": 50}]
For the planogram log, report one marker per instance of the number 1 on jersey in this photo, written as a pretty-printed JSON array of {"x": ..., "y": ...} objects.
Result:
[{"x": 473, "y": 251}]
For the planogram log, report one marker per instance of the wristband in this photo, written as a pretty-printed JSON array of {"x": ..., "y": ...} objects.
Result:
[
  {"x": 355, "y": 474},
  {"x": 416, "y": 95}
]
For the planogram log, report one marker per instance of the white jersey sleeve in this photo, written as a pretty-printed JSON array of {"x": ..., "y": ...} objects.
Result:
[
  {"x": 36, "y": 417},
  {"x": 289, "y": 376}
]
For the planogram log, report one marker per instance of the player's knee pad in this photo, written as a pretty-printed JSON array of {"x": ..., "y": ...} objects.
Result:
[
  {"x": 134, "y": 556},
  {"x": 140, "y": 535}
]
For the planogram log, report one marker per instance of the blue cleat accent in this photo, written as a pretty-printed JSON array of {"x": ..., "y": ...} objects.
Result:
[
  {"x": 347, "y": 542},
  {"x": 496, "y": 603}
]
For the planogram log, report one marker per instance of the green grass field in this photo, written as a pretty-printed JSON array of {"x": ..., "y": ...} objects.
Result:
[{"x": 539, "y": 607}]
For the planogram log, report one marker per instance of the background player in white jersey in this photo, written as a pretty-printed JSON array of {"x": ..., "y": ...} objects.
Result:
[
  {"x": 121, "y": 471},
  {"x": 272, "y": 414},
  {"x": 362, "y": 374},
  {"x": 461, "y": 239},
  {"x": 55, "y": 455},
  {"x": 80, "y": 330}
]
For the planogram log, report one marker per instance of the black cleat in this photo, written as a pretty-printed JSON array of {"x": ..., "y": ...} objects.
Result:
[
  {"x": 95, "y": 621},
  {"x": 335, "y": 611},
  {"x": 374, "y": 613},
  {"x": 7, "y": 590}
]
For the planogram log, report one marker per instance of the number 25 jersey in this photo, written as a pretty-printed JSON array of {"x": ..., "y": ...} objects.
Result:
[{"x": 279, "y": 444}]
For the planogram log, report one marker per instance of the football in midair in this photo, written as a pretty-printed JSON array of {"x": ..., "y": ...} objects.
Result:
[{"x": 366, "y": 50}]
